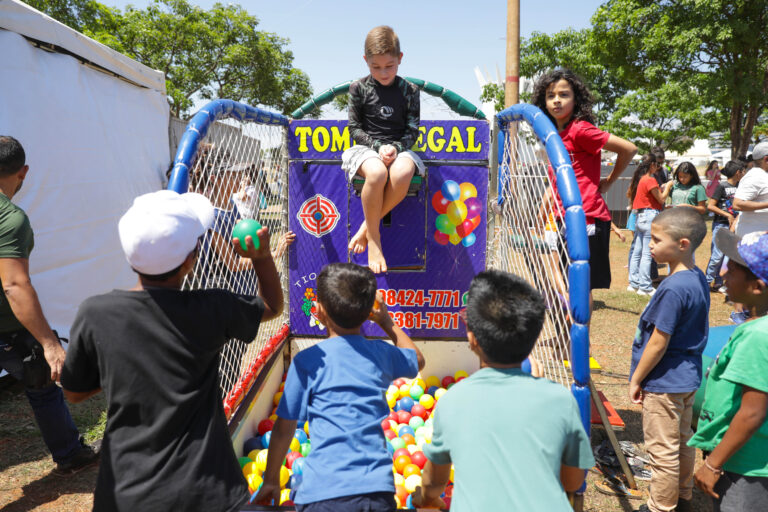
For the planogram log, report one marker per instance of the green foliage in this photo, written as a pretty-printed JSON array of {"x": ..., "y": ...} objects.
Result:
[
  {"x": 216, "y": 53},
  {"x": 341, "y": 102},
  {"x": 493, "y": 93}
]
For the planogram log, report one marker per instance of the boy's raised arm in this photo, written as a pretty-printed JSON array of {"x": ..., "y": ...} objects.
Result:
[
  {"x": 270, "y": 290},
  {"x": 380, "y": 315}
]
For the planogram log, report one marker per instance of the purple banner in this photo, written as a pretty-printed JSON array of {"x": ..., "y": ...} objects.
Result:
[{"x": 438, "y": 140}]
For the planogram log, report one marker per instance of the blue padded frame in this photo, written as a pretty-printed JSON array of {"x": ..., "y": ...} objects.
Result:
[
  {"x": 576, "y": 238},
  {"x": 198, "y": 126}
]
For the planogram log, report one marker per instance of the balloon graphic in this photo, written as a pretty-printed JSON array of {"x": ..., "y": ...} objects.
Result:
[
  {"x": 441, "y": 238},
  {"x": 469, "y": 240},
  {"x": 474, "y": 207},
  {"x": 465, "y": 228},
  {"x": 451, "y": 190},
  {"x": 456, "y": 212},
  {"x": 443, "y": 224},
  {"x": 475, "y": 222},
  {"x": 467, "y": 190},
  {"x": 439, "y": 203},
  {"x": 454, "y": 239}
]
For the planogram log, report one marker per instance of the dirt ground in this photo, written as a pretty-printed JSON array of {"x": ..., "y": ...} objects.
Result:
[{"x": 26, "y": 481}]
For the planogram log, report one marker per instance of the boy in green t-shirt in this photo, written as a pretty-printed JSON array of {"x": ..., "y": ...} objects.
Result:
[
  {"x": 516, "y": 441},
  {"x": 732, "y": 425}
]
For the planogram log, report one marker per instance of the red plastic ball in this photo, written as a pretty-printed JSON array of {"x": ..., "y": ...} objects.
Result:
[
  {"x": 401, "y": 451},
  {"x": 265, "y": 426},
  {"x": 403, "y": 416},
  {"x": 392, "y": 416},
  {"x": 419, "y": 410},
  {"x": 385, "y": 424},
  {"x": 419, "y": 459},
  {"x": 292, "y": 456},
  {"x": 447, "y": 380},
  {"x": 390, "y": 434}
]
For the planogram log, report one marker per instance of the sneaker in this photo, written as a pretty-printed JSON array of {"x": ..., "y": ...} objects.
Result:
[
  {"x": 723, "y": 290},
  {"x": 85, "y": 457},
  {"x": 648, "y": 293},
  {"x": 632, "y": 289}
]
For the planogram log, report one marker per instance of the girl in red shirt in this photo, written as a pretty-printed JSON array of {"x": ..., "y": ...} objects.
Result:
[{"x": 565, "y": 99}]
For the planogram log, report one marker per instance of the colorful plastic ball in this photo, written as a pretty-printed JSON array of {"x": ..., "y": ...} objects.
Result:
[
  {"x": 277, "y": 397},
  {"x": 416, "y": 422},
  {"x": 412, "y": 482},
  {"x": 451, "y": 190},
  {"x": 431, "y": 389},
  {"x": 440, "y": 392},
  {"x": 408, "y": 439},
  {"x": 401, "y": 493},
  {"x": 406, "y": 430},
  {"x": 246, "y": 227},
  {"x": 285, "y": 475},
  {"x": 398, "y": 503},
  {"x": 405, "y": 390},
  {"x": 444, "y": 225},
  {"x": 285, "y": 496},
  {"x": 450, "y": 476},
  {"x": 406, "y": 403},
  {"x": 469, "y": 240},
  {"x": 455, "y": 239},
  {"x": 419, "y": 459},
  {"x": 243, "y": 461},
  {"x": 390, "y": 449},
  {"x": 273, "y": 417},
  {"x": 432, "y": 380},
  {"x": 265, "y": 426},
  {"x": 399, "y": 480},
  {"x": 306, "y": 448},
  {"x": 298, "y": 466},
  {"x": 439, "y": 203},
  {"x": 261, "y": 460},
  {"x": 397, "y": 443},
  {"x": 400, "y": 463},
  {"x": 426, "y": 401},
  {"x": 248, "y": 468},
  {"x": 291, "y": 458},
  {"x": 412, "y": 448},
  {"x": 416, "y": 392},
  {"x": 459, "y": 379},
  {"x": 300, "y": 435},
  {"x": 411, "y": 469},
  {"x": 254, "y": 482},
  {"x": 399, "y": 452},
  {"x": 456, "y": 212},
  {"x": 253, "y": 454},
  {"x": 448, "y": 379},
  {"x": 393, "y": 416},
  {"x": 252, "y": 443},
  {"x": 459, "y": 374},
  {"x": 393, "y": 425},
  {"x": 419, "y": 410},
  {"x": 385, "y": 424},
  {"x": 418, "y": 381},
  {"x": 398, "y": 382},
  {"x": 467, "y": 191},
  {"x": 295, "y": 481},
  {"x": 391, "y": 401},
  {"x": 295, "y": 445},
  {"x": 306, "y": 428},
  {"x": 404, "y": 416}
]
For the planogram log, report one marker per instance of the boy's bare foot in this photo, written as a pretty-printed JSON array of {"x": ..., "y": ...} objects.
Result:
[
  {"x": 376, "y": 261},
  {"x": 360, "y": 241}
]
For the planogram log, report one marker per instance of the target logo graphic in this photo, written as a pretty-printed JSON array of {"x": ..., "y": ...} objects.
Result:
[{"x": 318, "y": 215}]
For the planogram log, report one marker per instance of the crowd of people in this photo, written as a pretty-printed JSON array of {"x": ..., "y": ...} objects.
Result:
[{"x": 516, "y": 440}]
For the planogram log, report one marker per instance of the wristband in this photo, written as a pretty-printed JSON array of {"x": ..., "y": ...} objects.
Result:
[{"x": 717, "y": 471}]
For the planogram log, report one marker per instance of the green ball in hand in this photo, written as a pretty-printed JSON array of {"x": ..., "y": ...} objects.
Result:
[{"x": 244, "y": 228}]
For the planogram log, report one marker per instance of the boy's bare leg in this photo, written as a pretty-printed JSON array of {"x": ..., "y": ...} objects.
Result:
[
  {"x": 400, "y": 174},
  {"x": 375, "y": 173}
]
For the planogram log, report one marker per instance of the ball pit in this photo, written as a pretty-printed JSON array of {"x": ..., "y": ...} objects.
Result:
[{"x": 407, "y": 429}]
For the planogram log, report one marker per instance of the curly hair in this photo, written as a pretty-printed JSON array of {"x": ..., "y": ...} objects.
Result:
[{"x": 582, "y": 98}]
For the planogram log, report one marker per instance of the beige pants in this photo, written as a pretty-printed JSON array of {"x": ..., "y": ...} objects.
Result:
[{"x": 667, "y": 429}]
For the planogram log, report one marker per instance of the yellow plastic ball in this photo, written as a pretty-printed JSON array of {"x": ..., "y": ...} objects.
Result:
[
  {"x": 253, "y": 454},
  {"x": 278, "y": 396},
  {"x": 405, "y": 390},
  {"x": 273, "y": 417},
  {"x": 398, "y": 503},
  {"x": 412, "y": 448},
  {"x": 439, "y": 393},
  {"x": 248, "y": 468},
  {"x": 427, "y": 401},
  {"x": 261, "y": 460},
  {"x": 459, "y": 374},
  {"x": 285, "y": 475},
  {"x": 391, "y": 401},
  {"x": 399, "y": 479},
  {"x": 393, "y": 390},
  {"x": 295, "y": 445},
  {"x": 451, "y": 475},
  {"x": 433, "y": 381},
  {"x": 254, "y": 481},
  {"x": 420, "y": 382},
  {"x": 306, "y": 428},
  {"x": 285, "y": 495},
  {"x": 428, "y": 434},
  {"x": 412, "y": 482}
]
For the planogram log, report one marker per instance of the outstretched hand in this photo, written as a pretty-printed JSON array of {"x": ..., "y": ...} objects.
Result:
[
  {"x": 268, "y": 493},
  {"x": 252, "y": 252}
]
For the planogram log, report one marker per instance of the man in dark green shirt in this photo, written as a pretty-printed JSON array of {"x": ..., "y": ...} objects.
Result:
[{"x": 29, "y": 350}]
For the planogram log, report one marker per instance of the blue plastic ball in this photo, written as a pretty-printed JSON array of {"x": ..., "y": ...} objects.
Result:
[
  {"x": 406, "y": 403},
  {"x": 398, "y": 406},
  {"x": 526, "y": 366},
  {"x": 431, "y": 390},
  {"x": 265, "y": 440},
  {"x": 390, "y": 448},
  {"x": 298, "y": 466},
  {"x": 451, "y": 190},
  {"x": 301, "y": 436},
  {"x": 294, "y": 482},
  {"x": 251, "y": 444},
  {"x": 409, "y": 503},
  {"x": 405, "y": 429}
]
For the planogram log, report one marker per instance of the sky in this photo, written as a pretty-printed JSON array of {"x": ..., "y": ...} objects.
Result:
[{"x": 442, "y": 42}]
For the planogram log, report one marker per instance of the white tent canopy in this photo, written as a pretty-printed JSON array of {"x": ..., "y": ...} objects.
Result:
[{"x": 94, "y": 125}]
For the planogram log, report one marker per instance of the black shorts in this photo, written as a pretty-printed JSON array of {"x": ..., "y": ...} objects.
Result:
[
  {"x": 373, "y": 502},
  {"x": 599, "y": 255}
]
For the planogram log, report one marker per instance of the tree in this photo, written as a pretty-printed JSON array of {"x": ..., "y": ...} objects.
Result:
[
  {"x": 216, "y": 53},
  {"x": 717, "y": 48}
]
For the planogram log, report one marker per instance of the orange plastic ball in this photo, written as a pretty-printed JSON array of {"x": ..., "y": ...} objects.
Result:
[
  {"x": 408, "y": 438},
  {"x": 411, "y": 469},
  {"x": 401, "y": 462}
]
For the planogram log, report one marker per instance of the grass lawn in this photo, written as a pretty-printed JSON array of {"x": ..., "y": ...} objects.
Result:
[{"x": 26, "y": 481}]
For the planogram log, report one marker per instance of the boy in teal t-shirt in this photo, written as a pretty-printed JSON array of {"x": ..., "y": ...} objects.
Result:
[
  {"x": 516, "y": 441},
  {"x": 732, "y": 425}
]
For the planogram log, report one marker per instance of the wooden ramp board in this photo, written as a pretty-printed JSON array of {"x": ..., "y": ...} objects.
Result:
[{"x": 613, "y": 417}]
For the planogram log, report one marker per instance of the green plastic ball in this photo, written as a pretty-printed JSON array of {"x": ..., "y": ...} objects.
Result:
[{"x": 244, "y": 228}]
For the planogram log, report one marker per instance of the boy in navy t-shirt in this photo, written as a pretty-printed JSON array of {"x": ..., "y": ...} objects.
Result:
[
  {"x": 338, "y": 385},
  {"x": 666, "y": 357}
]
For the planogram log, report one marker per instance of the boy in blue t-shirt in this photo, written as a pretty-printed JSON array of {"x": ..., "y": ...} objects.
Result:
[
  {"x": 516, "y": 441},
  {"x": 339, "y": 386},
  {"x": 666, "y": 357}
]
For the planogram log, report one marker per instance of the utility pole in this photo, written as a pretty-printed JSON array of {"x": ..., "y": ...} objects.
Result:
[{"x": 512, "y": 82}]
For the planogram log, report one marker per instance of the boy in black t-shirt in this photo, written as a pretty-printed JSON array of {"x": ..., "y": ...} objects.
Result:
[
  {"x": 721, "y": 204},
  {"x": 154, "y": 350},
  {"x": 384, "y": 123}
]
